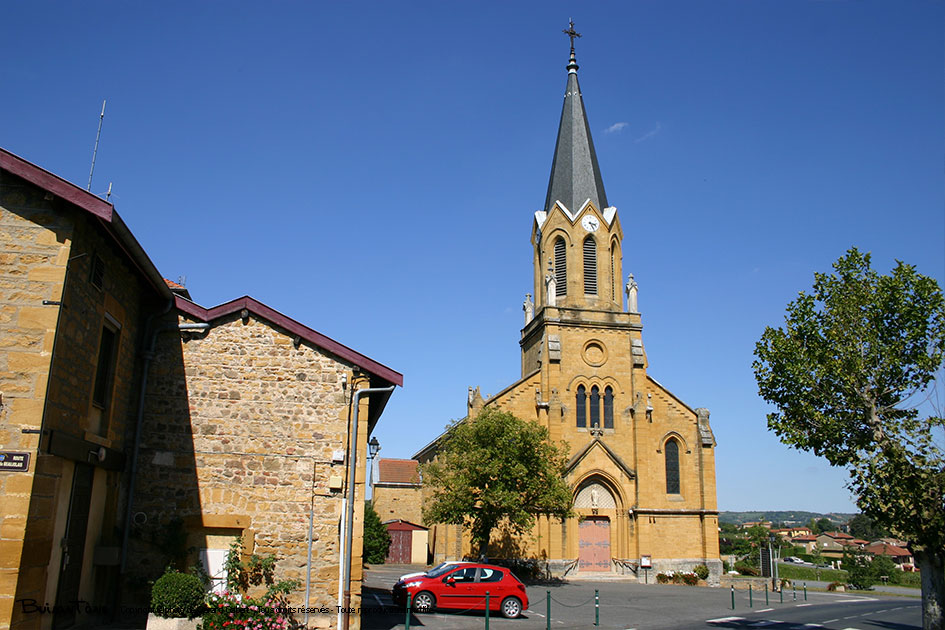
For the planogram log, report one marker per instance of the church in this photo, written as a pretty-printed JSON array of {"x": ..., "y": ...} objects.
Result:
[{"x": 642, "y": 461}]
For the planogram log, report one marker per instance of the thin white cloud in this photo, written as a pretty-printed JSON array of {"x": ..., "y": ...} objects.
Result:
[
  {"x": 649, "y": 134},
  {"x": 614, "y": 128}
]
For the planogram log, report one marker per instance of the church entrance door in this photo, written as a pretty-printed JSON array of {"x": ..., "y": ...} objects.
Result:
[{"x": 594, "y": 546}]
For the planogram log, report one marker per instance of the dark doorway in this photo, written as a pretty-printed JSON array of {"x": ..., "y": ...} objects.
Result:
[{"x": 73, "y": 543}]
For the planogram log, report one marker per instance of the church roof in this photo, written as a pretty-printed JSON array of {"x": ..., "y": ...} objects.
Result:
[{"x": 575, "y": 174}]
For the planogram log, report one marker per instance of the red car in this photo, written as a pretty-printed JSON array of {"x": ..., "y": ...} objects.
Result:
[{"x": 464, "y": 587}]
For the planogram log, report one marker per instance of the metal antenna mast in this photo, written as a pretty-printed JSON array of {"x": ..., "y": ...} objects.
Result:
[{"x": 95, "y": 150}]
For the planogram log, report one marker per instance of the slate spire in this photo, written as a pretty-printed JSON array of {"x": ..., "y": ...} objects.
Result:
[{"x": 575, "y": 174}]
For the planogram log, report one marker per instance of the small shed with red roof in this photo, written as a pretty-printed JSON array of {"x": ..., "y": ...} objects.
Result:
[{"x": 408, "y": 543}]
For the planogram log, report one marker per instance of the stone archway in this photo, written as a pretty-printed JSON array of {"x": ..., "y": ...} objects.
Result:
[{"x": 594, "y": 530}]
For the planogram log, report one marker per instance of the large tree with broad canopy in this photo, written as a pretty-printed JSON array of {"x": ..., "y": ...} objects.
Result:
[
  {"x": 850, "y": 374},
  {"x": 495, "y": 469}
]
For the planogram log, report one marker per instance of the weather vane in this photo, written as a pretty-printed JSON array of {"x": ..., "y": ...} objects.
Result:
[{"x": 570, "y": 32}]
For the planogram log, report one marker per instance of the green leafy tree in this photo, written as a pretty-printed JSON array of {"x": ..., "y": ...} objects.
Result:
[
  {"x": 860, "y": 572},
  {"x": 884, "y": 566},
  {"x": 376, "y": 536},
  {"x": 862, "y": 526},
  {"x": 496, "y": 469},
  {"x": 846, "y": 374},
  {"x": 822, "y": 525}
]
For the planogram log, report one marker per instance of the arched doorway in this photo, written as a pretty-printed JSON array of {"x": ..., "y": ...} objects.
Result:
[{"x": 594, "y": 551}]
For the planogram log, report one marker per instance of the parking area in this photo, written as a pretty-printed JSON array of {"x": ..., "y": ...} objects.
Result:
[{"x": 622, "y": 605}]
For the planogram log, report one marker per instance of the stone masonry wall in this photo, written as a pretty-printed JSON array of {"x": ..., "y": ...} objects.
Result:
[
  {"x": 34, "y": 248},
  {"x": 403, "y": 502},
  {"x": 51, "y": 352},
  {"x": 240, "y": 430}
]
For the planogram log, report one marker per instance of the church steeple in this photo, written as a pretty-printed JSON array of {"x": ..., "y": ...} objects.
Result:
[{"x": 575, "y": 174}]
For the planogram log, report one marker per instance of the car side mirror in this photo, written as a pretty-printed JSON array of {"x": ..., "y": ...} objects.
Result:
[{"x": 451, "y": 581}]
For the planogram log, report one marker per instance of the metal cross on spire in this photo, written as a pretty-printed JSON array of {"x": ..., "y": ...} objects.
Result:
[{"x": 570, "y": 32}]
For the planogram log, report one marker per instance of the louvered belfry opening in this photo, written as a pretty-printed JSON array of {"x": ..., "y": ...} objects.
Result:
[
  {"x": 590, "y": 266},
  {"x": 561, "y": 268},
  {"x": 613, "y": 273}
]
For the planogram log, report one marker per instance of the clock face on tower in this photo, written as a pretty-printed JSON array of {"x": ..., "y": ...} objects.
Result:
[{"x": 590, "y": 223}]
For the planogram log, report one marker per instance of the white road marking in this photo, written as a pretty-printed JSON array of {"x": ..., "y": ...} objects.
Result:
[
  {"x": 802, "y": 605},
  {"x": 813, "y": 625},
  {"x": 832, "y": 620},
  {"x": 764, "y": 610},
  {"x": 724, "y": 619}
]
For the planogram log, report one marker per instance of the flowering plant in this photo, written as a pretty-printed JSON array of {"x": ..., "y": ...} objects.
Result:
[{"x": 230, "y": 611}]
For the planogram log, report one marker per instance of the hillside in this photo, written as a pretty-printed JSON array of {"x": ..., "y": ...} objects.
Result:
[{"x": 787, "y": 517}]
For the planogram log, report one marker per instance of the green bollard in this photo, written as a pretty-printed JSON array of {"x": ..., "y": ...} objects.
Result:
[
  {"x": 766, "y": 593},
  {"x": 487, "y": 610},
  {"x": 407, "y": 623},
  {"x": 733, "y": 599},
  {"x": 794, "y": 590},
  {"x": 548, "y": 610},
  {"x": 805, "y": 591},
  {"x": 749, "y": 596},
  {"x": 596, "y": 607},
  {"x": 782, "y": 593}
]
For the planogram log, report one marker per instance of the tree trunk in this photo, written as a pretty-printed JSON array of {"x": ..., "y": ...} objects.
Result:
[{"x": 932, "y": 566}]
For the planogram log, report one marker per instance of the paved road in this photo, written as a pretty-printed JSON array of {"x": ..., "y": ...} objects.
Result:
[{"x": 625, "y": 605}]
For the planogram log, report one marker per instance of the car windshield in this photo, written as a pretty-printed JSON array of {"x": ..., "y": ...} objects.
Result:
[{"x": 440, "y": 569}]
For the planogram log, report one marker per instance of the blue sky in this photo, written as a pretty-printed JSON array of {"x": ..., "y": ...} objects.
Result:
[{"x": 371, "y": 169}]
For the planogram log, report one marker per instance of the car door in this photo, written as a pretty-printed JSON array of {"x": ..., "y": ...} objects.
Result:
[
  {"x": 459, "y": 590},
  {"x": 490, "y": 579}
]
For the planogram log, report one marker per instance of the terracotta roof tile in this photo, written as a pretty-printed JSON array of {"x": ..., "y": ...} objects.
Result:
[
  {"x": 887, "y": 550},
  {"x": 397, "y": 471}
]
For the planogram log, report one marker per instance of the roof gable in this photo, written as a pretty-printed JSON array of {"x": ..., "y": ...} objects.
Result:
[
  {"x": 304, "y": 332},
  {"x": 598, "y": 443}
]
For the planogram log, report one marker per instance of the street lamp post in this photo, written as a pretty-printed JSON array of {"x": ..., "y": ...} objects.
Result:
[{"x": 373, "y": 448}]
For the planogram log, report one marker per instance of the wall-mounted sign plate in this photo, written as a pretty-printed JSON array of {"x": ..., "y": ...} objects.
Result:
[{"x": 14, "y": 462}]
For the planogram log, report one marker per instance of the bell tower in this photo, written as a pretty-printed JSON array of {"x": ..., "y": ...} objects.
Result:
[{"x": 577, "y": 236}]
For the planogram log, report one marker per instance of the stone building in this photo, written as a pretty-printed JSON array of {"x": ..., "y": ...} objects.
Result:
[
  {"x": 642, "y": 461},
  {"x": 396, "y": 494},
  {"x": 136, "y": 426}
]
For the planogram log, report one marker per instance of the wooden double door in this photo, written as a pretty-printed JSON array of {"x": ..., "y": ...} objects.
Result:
[{"x": 594, "y": 545}]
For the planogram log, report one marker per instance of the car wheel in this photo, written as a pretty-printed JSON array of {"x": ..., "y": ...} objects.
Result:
[
  {"x": 424, "y": 601},
  {"x": 511, "y": 607}
]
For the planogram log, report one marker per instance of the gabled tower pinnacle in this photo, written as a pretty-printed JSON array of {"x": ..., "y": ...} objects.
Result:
[{"x": 575, "y": 174}]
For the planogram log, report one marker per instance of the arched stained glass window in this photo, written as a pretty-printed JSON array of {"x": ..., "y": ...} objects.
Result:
[
  {"x": 580, "y": 406},
  {"x": 608, "y": 407},
  {"x": 561, "y": 268},
  {"x": 590, "y": 266},
  {"x": 672, "y": 466},
  {"x": 595, "y": 407}
]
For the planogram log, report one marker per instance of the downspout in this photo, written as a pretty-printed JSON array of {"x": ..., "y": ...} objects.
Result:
[
  {"x": 148, "y": 355},
  {"x": 349, "y": 507}
]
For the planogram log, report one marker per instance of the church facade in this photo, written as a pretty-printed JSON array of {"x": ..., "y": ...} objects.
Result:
[{"x": 642, "y": 461}]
